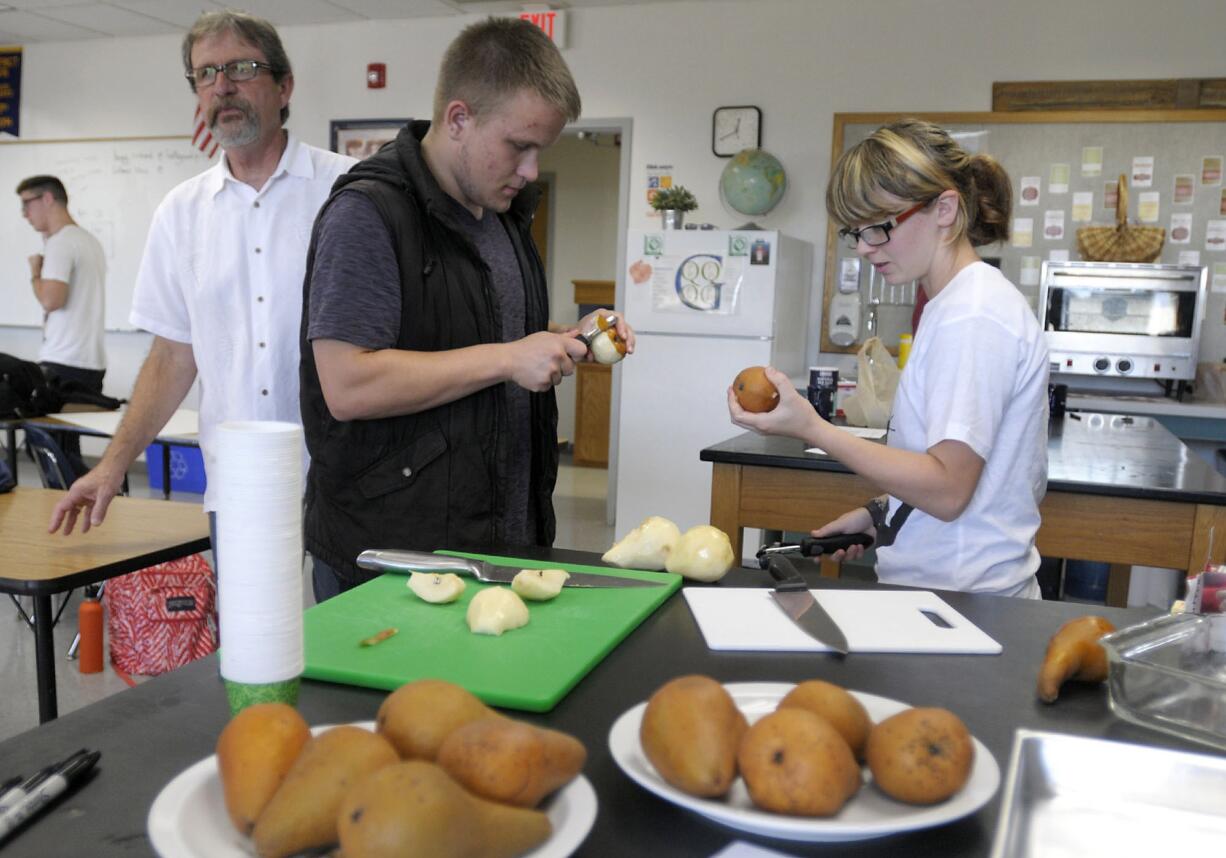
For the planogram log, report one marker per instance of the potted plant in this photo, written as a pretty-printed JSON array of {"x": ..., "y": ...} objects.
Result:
[{"x": 672, "y": 204}]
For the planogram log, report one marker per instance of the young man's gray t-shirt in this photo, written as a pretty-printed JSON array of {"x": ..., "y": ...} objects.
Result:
[{"x": 355, "y": 298}]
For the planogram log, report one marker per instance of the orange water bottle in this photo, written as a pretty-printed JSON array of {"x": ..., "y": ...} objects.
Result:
[{"x": 89, "y": 624}]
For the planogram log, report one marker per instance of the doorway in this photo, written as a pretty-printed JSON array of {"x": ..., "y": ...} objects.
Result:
[{"x": 586, "y": 178}]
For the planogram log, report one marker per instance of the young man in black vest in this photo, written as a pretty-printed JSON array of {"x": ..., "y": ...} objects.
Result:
[{"x": 428, "y": 359}]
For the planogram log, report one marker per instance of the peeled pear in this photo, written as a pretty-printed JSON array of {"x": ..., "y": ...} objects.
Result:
[
  {"x": 419, "y": 715},
  {"x": 704, "y": 553},
  {"x": 509, "y": 761},
  {"x": 646, "y": 547},
  {"x": 254, "y": 752},
  {"x": 302, "y": 813},
  {"x": 495, "y": 610},
  {"x": 435, "y": 588},
  {"x": 416, "y": 809},
  {"x": 539, "y": 585}
]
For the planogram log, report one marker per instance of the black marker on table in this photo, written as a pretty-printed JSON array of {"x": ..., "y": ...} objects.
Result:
[
  {"x": 55, "y": 784},
  {"x": 17, "y": 789}
]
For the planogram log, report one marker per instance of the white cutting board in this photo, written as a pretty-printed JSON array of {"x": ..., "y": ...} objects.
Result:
[{"x": 872, "y": 620}]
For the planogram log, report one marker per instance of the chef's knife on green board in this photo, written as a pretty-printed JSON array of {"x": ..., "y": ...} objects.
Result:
[{"x": 401, "y": 560}]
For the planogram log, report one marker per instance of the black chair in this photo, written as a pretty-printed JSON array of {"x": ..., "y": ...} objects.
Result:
[
  {"x": 57, "y": 472},
  {"x": 54, "y": 467}
]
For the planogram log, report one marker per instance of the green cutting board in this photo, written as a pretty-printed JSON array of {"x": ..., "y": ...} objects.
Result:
[{"x": 529, "y": 668}]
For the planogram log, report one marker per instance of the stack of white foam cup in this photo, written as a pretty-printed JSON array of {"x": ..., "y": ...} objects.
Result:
[{"x": 258, "y": 475}]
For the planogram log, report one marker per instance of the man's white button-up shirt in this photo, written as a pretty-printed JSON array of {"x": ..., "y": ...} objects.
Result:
[{"x": 223, "y": 270}]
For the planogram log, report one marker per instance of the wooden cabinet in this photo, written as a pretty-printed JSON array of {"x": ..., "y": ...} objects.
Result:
[
  {"x": 593, "y": 393},
  {"x": 594, "y": 386}
]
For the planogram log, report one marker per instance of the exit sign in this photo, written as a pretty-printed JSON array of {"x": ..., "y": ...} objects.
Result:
[{"x": 551, "y": 21}]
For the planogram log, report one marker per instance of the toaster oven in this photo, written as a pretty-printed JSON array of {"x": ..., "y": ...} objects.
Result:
[{"x": 1123, "y": 319}]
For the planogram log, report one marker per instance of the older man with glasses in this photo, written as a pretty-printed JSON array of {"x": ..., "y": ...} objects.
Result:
[{"x": 220, "y": 285}]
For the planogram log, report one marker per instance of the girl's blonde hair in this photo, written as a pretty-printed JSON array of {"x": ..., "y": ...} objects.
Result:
[{"x": 915, "y": 160}]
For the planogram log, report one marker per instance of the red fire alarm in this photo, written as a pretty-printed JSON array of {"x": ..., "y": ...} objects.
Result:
[{"x": 376, "y": 75}]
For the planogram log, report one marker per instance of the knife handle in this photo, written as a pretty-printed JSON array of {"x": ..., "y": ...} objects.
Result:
[
  {"x": 814, "y": 546},
  {"x": 787, "y": 576},
  {"x": 402, "y": 560}
]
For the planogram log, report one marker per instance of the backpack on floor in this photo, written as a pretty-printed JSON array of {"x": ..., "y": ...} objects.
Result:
[{"x": 163, "y": 616}]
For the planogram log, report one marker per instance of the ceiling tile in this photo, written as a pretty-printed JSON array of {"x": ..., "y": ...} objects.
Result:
[
  {"x": 111, "y": 20},
  {"x": 390, "y": 9},
  {"x": 28, "y": 27},
  {"x": 35, "y": 5},
  {"x": 287, "y": 12},
  {"x": 181, "y": 13}
]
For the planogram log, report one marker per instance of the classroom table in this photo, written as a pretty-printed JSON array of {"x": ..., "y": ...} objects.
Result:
[
  {"x": 137, "y": 533},
  {"x": 180, "y": 431},
  {"x": 1120, "y": 489},
  {"x": 151, "y": 733}
]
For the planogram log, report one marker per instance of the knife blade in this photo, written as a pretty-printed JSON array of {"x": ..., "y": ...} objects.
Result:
[
  {"x": 792, "y": 595},
  {"x": 402, "y": 560}
]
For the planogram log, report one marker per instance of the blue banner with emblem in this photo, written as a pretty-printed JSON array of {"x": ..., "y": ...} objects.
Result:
[{"x": 10, "y": 89}]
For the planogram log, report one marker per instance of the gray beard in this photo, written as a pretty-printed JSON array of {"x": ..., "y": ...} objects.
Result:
[{"x": 247, "y": 132}]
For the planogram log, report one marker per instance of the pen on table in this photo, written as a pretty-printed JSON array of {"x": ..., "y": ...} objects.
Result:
[{"x": 45, "y": 792}]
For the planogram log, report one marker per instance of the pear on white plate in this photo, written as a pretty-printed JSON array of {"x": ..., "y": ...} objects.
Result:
[
  {"x": 539, "y": 585},
  {"x": 436, "y": 588}
]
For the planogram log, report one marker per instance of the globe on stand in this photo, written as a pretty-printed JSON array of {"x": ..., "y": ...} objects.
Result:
[{"x": 753, "y": 182}]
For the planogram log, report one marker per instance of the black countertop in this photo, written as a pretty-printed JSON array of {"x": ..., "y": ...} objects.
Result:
[
  {"x": 151, "y": 733},
  {"x": 1088, "y": 453}
]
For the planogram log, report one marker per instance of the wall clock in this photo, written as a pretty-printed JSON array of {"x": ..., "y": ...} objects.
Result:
[{"x": 734, "y": 129}]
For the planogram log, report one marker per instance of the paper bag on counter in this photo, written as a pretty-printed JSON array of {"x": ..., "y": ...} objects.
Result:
[{"x": 873, "y": 400}]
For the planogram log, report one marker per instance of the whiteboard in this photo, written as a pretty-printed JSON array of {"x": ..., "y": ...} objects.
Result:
[{"x": 114, "y": 186}]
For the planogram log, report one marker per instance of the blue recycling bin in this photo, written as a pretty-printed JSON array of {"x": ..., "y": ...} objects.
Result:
[
  {"x": 1086, "y": 580},
  {"x": 186, "y": 468}
]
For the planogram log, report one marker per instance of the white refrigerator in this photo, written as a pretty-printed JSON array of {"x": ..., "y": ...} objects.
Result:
[{"x": 704, "y": 304}]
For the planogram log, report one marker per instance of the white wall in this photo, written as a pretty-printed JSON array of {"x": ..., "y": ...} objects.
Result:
[
  {"x": 668, "y": 66},
  {"x": 583, "y": 234}
]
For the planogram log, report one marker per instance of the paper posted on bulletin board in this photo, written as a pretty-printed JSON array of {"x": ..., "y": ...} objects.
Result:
[{"x": 659, "y": 178}]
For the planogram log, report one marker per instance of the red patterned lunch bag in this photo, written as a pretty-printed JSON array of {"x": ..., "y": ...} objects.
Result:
[{"x": 163, "y": 616}]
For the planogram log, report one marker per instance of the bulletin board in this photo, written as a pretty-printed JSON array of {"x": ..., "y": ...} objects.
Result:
[
  {"x": 1033, "y": 146},
  {"x": 114, "y": 185}
]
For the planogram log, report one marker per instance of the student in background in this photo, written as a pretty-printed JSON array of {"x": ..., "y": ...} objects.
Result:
[
  {"x": 69, "y": 282},
  {"x": 965, "y": 466},
  {"x": 220, "y": 284}
]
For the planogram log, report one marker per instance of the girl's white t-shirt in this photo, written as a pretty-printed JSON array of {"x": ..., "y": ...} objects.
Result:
[{"x": 978, "y": 374}]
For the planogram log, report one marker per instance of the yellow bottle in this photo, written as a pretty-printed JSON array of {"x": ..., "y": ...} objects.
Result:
[{"x": 904, "y": 349}]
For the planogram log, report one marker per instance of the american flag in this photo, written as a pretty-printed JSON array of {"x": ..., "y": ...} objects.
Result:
[{"x": 202, "y": 139}]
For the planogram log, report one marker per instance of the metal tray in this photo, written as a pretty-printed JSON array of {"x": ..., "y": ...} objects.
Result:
[
  {"x": 1071, "y": 796},
  {"x": 1169, "y": 674}
]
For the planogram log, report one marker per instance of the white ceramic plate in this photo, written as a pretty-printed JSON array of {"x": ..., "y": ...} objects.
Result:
[
  {"x": 188, "y": 818},
  {"x": 869, "y": 813}
]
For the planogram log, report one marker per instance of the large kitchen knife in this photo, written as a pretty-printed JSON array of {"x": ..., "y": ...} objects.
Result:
[
  {"x": 401, "y": 560},
  {"x": 792, "y": 595}
]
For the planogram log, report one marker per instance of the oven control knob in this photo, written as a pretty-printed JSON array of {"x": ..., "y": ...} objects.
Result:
[
  {"x": 1123, "y": 366},
  {"x": 1102, "y": 364}
]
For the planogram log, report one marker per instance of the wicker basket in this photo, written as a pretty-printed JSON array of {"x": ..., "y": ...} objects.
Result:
[{"x": 1120, "y": 243}]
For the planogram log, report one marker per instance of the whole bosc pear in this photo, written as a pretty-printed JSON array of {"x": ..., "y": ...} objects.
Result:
[
  {"x": 302, "y": 813},
  {"x": 645, "y": 547},
  {"x": 419, "y": 715},
  {"x": 414, "y": 808},
  {"x": 254, "y": 752},
  {"x": 690, "y": 732},
  {"x": 509, "y": 761}
]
